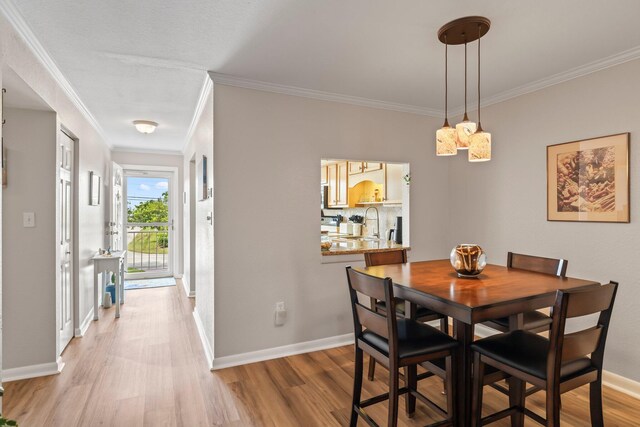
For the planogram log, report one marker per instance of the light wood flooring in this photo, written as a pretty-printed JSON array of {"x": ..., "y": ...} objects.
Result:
[{"x": 148, "y": 369}]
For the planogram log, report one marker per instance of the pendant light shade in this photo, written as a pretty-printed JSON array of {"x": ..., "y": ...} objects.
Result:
[
  {"x": 446, "y": 135},
  {"x": 480, "y": 141}
]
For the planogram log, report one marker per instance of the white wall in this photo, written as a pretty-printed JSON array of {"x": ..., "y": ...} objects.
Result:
[
  {"x": 174, "y": 161},
  {"x": 201, "y": 144},
  {"x": 267, "y": 150},
  {"x": 93, "y": 155},
  {"x": 29, "y": 260},
  {"x": 502, "y": 204}
]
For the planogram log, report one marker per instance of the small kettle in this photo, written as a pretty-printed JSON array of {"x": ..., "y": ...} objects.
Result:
[{"x": 390, "y": 233}]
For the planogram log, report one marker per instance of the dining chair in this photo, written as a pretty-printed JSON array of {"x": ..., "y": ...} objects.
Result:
[
  {"x": 558, "y": 364},
  {"x": 396, "y": 342},
  {"x": 422, "y": 314},
  {"x": 533, "y": 321}
]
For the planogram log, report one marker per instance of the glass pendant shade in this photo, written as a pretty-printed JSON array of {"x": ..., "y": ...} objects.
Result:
[
  {"x": 446, "y": 141},
  {"x": 480, "y": 146},
  {"x": 464, "y": 130}
]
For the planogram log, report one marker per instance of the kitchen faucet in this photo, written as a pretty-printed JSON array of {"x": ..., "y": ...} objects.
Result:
[{"x": 377, "y": 233}]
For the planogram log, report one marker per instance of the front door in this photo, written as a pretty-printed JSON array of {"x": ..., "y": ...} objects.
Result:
[
  {"x": 65, "y": 249},
  {"x": 149, "y": 224}
]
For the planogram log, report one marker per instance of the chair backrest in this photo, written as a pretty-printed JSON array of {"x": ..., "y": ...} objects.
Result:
[
  {"x": 591, "y": 341},
  {"x": 557, "y": 267},
  {"x": 398, "y": 256},
  {"x": 367, "y": 318}
]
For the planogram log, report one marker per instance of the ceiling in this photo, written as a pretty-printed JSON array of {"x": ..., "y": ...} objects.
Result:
[{"x": 147, "y": 59}]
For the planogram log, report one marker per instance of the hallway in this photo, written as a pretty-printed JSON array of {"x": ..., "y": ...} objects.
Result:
[{"x": 146, "y": 368}]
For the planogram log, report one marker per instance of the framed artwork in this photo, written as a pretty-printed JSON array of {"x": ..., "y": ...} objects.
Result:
[
  {"x": 588, "y": 180},
  {"x": 94, "y": 188}
]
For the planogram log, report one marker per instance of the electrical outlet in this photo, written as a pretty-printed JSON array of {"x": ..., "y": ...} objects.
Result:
[
  {"x": 280, "y": 306},
  {"x": 280, "y": 316}
]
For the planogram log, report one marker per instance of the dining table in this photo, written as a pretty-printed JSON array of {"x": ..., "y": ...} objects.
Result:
[{"x": 496, "y": 292}]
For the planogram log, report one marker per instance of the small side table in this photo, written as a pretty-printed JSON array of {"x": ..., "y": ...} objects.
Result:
[{"x": 109, "y": 264}]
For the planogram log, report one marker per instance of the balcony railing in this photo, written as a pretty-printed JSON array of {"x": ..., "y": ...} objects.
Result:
[{"x": 147, "y": 248}]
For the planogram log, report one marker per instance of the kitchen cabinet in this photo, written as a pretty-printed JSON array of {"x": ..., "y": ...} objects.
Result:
[
  {"x": 371, "y": 166},
  {"x": 356, "y": 167},
  {"x": 337, "y": 178},
  {"x": 394, "y": 183},
  {"x": 323, "y": 175}
]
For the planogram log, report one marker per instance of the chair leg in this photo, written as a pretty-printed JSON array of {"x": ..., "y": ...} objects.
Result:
[
  {"x": 444, "y": 325},
  {"x": 451, "y": 372},
  {"x": 516, "y": 398},
  {"x": 372, "y": 368},
  {"x": 357, "y": 387},
  {"x": 393, "y": 394},
  {"x": 553, "y": 406},
  {"x": 478, "y": 382},
  {"x": 595, "y": 403},
  {"x": 411, "y": 381}
]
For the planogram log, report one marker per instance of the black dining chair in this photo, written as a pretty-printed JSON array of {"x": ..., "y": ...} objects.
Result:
[
  {"x": 558, "y": 364},
  {"x": 396, "y": 342},
  {"x": 534, "y": 320},
  {"x": 422, "y": 314}
]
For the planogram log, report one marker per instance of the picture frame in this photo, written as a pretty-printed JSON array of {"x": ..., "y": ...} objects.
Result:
[
  {"x": 94, "y": 188},
  {"x": 588, "y": 180}
]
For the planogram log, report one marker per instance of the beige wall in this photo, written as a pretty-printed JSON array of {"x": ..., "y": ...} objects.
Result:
[
  {"x": 29, "y": 261},
  {"x": 267, "y": 152},
  {"x": 502, "y": 204},
  {"x": 93, "y": 155},
  {"x": 174, "y": 161},
  {"x": 201, "y": 144}
]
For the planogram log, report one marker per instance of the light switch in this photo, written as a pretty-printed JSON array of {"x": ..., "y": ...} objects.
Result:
[{"x": 28, "y": 219}]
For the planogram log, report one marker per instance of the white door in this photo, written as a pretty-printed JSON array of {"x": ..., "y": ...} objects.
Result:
[
  {"x": 116, "y": 223},
  {"x": 65, "y": 226}
]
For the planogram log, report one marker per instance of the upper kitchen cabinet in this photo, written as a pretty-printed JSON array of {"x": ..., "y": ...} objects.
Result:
[
  {"x": 394, "y": 183},
  {"x": 371, "y": 166},
  {"x": 356, "y": 167},
  {"x": 337, "y": 179},
  {"x": 323, "y": 175}
]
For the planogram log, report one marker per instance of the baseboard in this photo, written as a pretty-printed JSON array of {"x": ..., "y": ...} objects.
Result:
[
  {"x": 33, "y": 371},
  {"x": 621, "y": 384},
  {"x": 79, "y": 332},
  {"x": 187, "y": 288},
  {"x": 278, "y": 352},
  {"x": 206, "y": 345},
  {"x": 177, "y": 276}
]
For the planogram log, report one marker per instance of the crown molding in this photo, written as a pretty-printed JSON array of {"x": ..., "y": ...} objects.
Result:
[
  {"x": 205, "y": 92},
  {"x": 229, "y": 80},
  {"x": 14, "y": 17},
  {"x": 124, "y": 149}
]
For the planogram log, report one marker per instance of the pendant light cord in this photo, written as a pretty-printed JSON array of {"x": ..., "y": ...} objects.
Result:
[
  {"x": 479, "y": 37},
  {"x": 446, "y": 81},
  {"x": 465, "y": 81}
]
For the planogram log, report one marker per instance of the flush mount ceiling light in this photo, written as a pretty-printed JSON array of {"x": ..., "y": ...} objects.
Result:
[
  {"x": 449, "y": 140},
  {"x": 145, "y": 126}
]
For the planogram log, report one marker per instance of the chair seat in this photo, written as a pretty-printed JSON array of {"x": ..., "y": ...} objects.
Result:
[
  {"x": 528, "y": 352},
  {"x": 414, "y": 339},
  {"x": 531, "y": 320},
  {"x": 420, "y": 311}
]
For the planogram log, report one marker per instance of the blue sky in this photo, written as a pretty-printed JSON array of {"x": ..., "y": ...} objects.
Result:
[{"x": 140, "y": 189}]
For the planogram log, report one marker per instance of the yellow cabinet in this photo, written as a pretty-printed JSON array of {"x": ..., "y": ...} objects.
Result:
[{"x": 337, "y": 178}]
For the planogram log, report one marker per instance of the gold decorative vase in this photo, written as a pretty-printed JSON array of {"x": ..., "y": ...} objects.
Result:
[{"x": 468, "y": 260}]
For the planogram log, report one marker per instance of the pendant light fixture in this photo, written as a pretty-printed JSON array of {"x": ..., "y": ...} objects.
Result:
[
  {"x": 465, "y": 128},
  {"x": 462, "y": 31},
  {"x": 446, "y": 135},
  {"x": 480, "y": 141}
]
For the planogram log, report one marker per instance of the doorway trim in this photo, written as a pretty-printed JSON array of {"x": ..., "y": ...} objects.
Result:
[{"x": 174, "y": 198}]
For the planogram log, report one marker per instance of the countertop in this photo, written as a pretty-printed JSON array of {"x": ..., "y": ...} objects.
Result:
[{"x": 343, "y": 246}]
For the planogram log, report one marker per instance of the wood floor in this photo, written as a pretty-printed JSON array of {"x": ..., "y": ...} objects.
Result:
[{"x": 148, "y": 369}]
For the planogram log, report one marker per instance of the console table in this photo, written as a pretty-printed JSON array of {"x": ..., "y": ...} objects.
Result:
[{"x": 109, "y": 264}]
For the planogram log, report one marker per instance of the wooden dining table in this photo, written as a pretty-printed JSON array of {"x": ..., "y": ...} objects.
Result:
[{"x": 497, "y": 292}]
